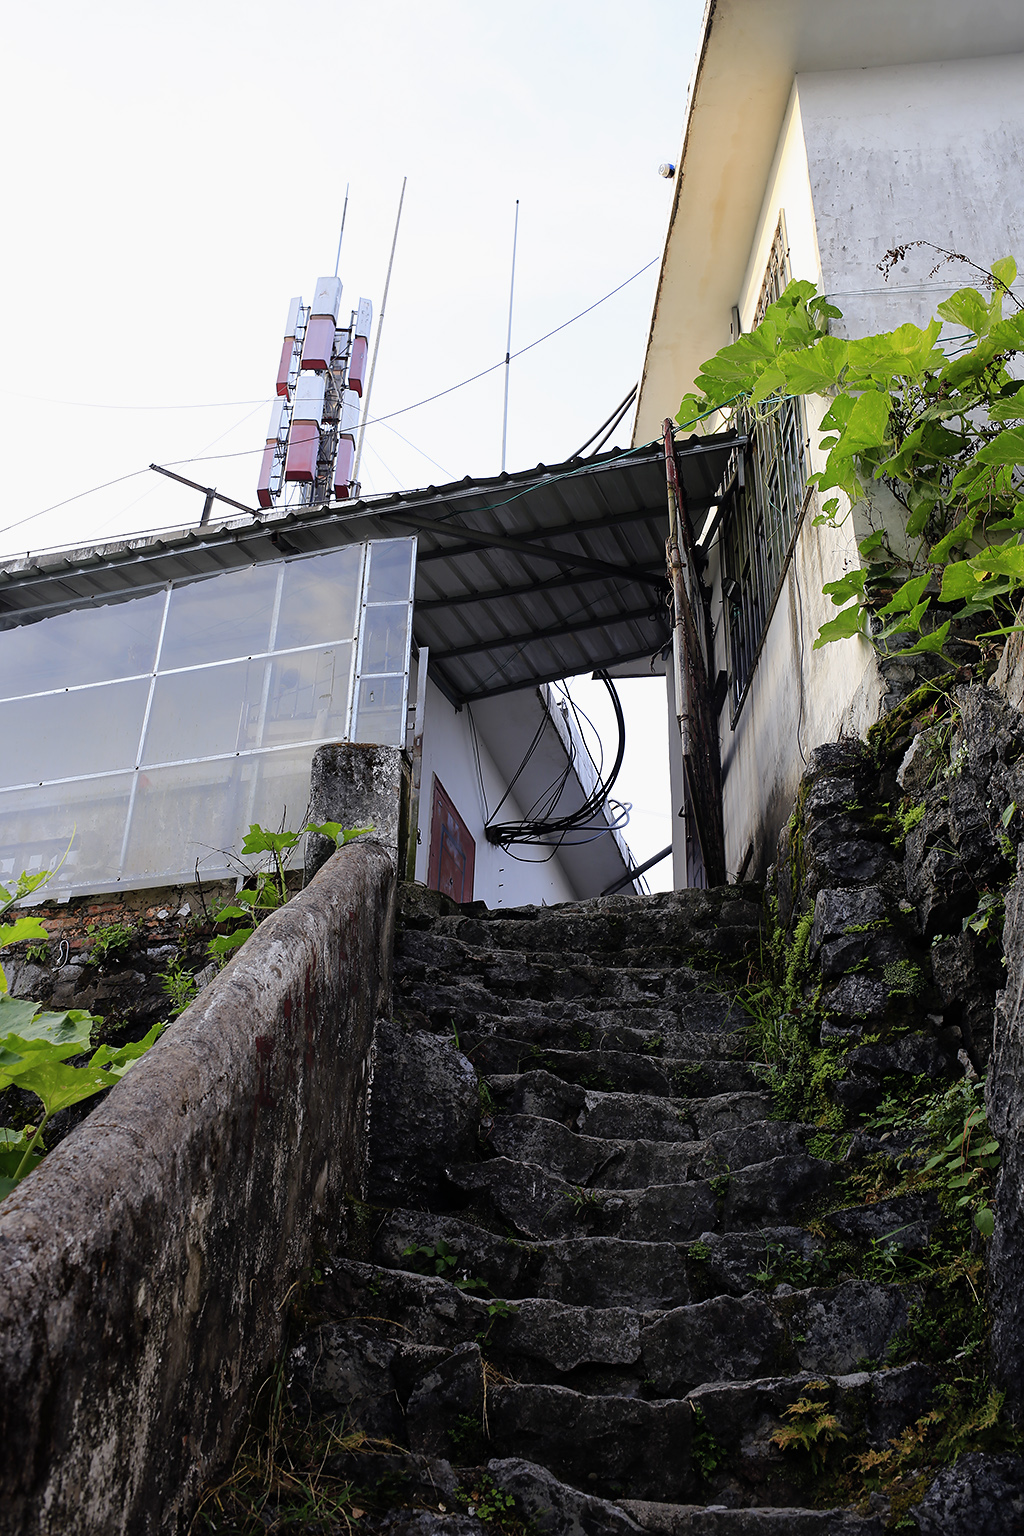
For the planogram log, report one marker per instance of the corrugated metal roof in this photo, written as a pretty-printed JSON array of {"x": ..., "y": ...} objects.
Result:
[{"x": 521, "y": 579}]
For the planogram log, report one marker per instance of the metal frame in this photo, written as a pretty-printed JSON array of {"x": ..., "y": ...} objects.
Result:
[{"x": 266, "y": 657}]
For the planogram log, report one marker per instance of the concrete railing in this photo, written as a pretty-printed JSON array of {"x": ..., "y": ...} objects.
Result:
[{"x": 144, "y": 1266}]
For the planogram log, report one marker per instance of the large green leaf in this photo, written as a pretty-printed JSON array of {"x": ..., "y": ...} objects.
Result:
[
  {"x": 1004, "y": 560},
  {"x": 117, "y": 1062},
  {"x": 848, "y": 623},
  {"x": 59, "y": 1085},
  {"x": 868, "y": 421},
  {"x": 1007, "y": 448},
  {"x": 960, "y": 582},
  {"x": 22, "y": 929},
  {"x": 28, "y": 1021},
  {"x": 908, "y": 596},
  {"x": 967, "y": 307}
]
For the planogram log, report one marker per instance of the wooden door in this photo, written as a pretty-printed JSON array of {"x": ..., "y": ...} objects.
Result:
[{"x": 452, "y": 849}]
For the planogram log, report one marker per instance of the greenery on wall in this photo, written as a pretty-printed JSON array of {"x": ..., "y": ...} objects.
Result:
[{"x": 924, "y": 435}]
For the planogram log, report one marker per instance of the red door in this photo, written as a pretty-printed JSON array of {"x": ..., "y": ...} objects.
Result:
[{"x": 452, "y": 849}]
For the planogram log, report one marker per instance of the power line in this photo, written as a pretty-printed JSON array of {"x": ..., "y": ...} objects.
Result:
[{"x": 248, "y": 452}]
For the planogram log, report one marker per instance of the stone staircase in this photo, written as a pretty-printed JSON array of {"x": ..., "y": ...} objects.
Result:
[{"x": 564, "y": 1286}]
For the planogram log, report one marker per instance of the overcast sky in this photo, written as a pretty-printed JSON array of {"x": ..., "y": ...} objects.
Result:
[{"x": 175, "y": 174}]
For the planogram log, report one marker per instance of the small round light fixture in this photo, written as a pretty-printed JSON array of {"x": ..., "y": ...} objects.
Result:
[{"x": 667, "y": 170}]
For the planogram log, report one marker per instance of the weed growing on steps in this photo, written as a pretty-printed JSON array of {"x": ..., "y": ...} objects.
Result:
[{"x": 813, "y": 1428}]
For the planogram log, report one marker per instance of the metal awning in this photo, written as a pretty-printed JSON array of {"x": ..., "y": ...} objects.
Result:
[{"x": 522, "y": 579}]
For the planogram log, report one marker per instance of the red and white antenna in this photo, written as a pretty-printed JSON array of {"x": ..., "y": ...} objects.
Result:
[{"x": 310, "y": 448}]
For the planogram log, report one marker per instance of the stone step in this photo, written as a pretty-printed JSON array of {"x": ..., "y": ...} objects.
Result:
[
  {"x": 656, "y": 1354},
  {"x": 538, "y": 1204},
  {"x": 450, "y": 1004},
  {"x": 626, "y": 1116},
  {"x": 582, "y": 1271},
  {"x": 612, "y": 1071},
  {"x": 662, "y": 926},
  {"x": 608, "y": 1032},
  {"x": 700, "y": 1520},
  {"x": 869, "y": 1408},
  {"x": 600, "y": 1163},
  {"x": 423, "y": 961}
]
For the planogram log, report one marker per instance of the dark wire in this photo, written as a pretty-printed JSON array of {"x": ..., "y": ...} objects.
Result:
[{"x": 538, "y": 830}]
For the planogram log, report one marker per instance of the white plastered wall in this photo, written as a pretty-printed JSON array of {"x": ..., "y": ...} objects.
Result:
[
  {"x": 798, "y": 697},
  {"x": 448, "y": 751},
  {"x": 913, "y": 152}
]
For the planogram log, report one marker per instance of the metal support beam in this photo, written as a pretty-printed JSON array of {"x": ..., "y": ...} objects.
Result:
[
  {"x": 501, "y": 643},
  {"x": 522, "y": 547}
]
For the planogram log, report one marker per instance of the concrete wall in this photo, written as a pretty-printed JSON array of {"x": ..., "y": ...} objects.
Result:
[
  {"x": 470, "y": 776},
  {"x": 145, "y": 1266},
  {"x": 798, "y": 698},
  {"x": 913, "y": 152}
]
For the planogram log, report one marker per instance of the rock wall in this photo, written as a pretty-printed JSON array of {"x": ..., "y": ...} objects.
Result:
[
  {"x": 907, "y": 850},
  {"x": 145, "y": 1265}
]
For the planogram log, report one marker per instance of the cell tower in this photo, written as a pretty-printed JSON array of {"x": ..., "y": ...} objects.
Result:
[{"x": 311, "y": 445}]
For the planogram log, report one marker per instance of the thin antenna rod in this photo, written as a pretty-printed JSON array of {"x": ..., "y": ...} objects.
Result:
[
  {"x": 341, "y": 232},
  {"x": 376, "y": 342},
  {"x": 508, "y": 345}
]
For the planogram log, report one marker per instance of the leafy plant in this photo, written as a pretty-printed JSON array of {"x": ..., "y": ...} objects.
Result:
[
  {"x": 487, "y": 1501},
  {"x": 34, "y": 1057},
  {"x": 269, "y": 888},
  {"x": 178, "y": 983},
  {"x": 813, "y": 1427},
  {"x": 987, "y": 918},
  {"x": 927, "y": 441},
  {"x": 441, "y": 1259},
  {"x": 706, "y": 1452},
  {"x": 36, "y": 1047},
  {"x": 109, "y": 941}
]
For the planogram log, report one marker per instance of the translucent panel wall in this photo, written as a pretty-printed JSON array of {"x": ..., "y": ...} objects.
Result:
[{"x": 148, "y": 734}]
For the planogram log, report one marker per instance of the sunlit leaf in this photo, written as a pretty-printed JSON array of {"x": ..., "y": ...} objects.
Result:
[{"x": 841, "y": 628}]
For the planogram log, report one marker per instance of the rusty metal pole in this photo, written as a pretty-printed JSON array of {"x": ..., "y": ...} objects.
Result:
[{"x": 675, "y": 575}]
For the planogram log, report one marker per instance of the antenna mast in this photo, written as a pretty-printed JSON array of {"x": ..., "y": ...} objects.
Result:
[
  {"x": 508, "y": 344},
  {"x": 376, "y": 343},
  {"x": 341, "y": 232}
]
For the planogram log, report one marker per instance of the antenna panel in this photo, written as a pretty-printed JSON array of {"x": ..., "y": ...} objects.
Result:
[
  {"x": 309, "y": 399},
  {"x": 327, "y": 299},
  {"x": 303, "y": 449}
]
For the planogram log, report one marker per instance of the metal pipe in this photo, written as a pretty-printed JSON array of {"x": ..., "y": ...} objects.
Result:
[
  {"x": 634, "y": 874},
  {"x": 376, "y": 340}
]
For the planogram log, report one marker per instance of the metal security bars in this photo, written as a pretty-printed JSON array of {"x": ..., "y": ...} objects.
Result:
[{"x": 768, "y": 485}]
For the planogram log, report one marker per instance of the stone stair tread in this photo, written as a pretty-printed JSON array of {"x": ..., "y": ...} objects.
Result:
[
  {"x": 538, "y": 1204},
  {"x": 712, "y": 1520},
  {"x": 582, "y": 1271},
  {"x": 829, "y": 1329},
  {"x": 626, "y": 1116},
  {"x": 460, "y": 1001},
  {"x": 615, "y": 1071},
  {"x": 618, "y": 1032},
  {"x": 601, "y": 1163}
]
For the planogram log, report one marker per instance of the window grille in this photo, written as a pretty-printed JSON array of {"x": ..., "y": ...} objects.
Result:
[{"x": 766, "y": 505}]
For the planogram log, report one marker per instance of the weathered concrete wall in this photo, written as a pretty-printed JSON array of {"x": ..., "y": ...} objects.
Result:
[{"x": 145, "y": 1265}]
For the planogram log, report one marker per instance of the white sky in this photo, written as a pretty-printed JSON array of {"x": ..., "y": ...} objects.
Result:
[{"x": 174, "y": 174}]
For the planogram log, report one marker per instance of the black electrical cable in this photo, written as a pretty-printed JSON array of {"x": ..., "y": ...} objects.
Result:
[
  {"x": 611, "y": 423},
  {"x": 538, "y": 830}
]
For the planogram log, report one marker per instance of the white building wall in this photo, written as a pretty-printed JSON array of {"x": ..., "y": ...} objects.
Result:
[
  {"x": 471, "y": 778},
  {"x": 798, "y": 697},
  {"x": 913, "y": 152},
  {"x": 867, "y": 159}
]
